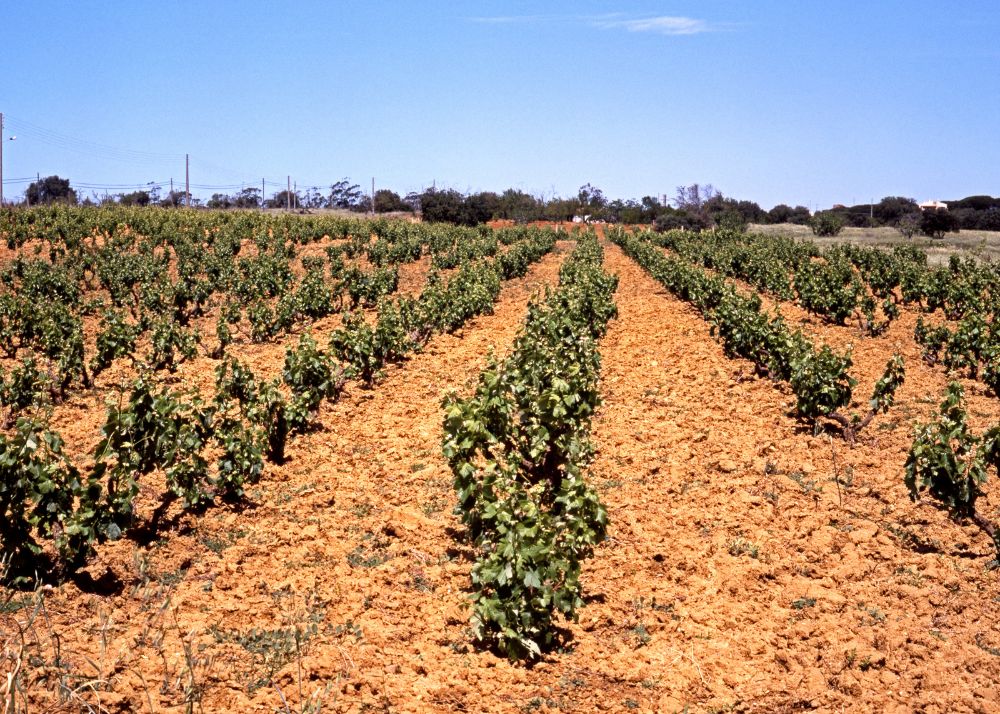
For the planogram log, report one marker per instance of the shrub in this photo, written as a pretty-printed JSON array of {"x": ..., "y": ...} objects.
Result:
[
  {"x": 826, "y": 223},
  {"x": 938, "y": 222},
  {"x": 950, "y": 463}
]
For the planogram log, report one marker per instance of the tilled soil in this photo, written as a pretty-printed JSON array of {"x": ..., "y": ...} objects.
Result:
[{"x": 750, "y": 565}]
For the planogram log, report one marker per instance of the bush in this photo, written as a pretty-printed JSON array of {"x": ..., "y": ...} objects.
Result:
[
  {"x": 826, "y": 223},
  {"x": 936, "y": 223},
  {"x": 951, "y": 463}
]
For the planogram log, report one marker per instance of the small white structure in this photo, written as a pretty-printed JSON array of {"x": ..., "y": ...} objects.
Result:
[
  {"x": 581, "y": 219},
  {"x": 933, "y": 206}
]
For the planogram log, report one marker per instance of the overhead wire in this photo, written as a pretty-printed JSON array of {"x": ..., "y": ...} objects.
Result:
[
  {"x": 65, "y": 141},
  {"x": 136, "y": 157}
]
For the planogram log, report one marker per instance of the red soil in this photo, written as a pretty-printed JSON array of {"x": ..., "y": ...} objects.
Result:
[{"x": 750, "y": 565}]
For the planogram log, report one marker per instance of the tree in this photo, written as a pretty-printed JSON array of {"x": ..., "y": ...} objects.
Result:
[
  {"x": 412, "y": 199},
  {"x": 673, "y": 219},
  {"x": 284, "y": 199},
  {"x": 518, "y": 206},
  {"x": 990, "y": 220},
  {"x": 826, "y": 223},
  {"x": 694, "y": 197},
  {"x": 859, "y": 216},
  {"x": 592, "y": 201},
  {"x": 479, "y": 207},
  {"x": 219, "y": 200},
  {"x": 977, "y": 203},
  {"x": 313, "y": 198},
  {"x": 935, "y": 223},
  {"x": 780, "y": 213},
  {"x": 247, "y": 198},
  {"x": 363, "y": 204},
  {"x": 50, "y": 189},
  {"x": 387, "y": 201},
  {"x": 908, "y": 224},
  {"x": 891, "y": 209},
  {"x": 719, "y": 209},
  {"x": 344, "y": 194},
  {"x": 561, "y": 209},
  {"x": 441, "y": 206},
  {"x": 136, "y": 198},
  {"x": 174, "y": 199},
  {"x": 783, "y": 213}
]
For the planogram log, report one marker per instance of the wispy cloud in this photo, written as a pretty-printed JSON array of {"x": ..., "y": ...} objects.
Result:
[
  {"x": 668, "y": 25},
  {"x": 660, "y": 25}
]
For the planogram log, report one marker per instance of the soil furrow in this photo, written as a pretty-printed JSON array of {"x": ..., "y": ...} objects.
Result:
[
  {"x": 348, "y": 544},
  {"x": 752, "y": 564}
]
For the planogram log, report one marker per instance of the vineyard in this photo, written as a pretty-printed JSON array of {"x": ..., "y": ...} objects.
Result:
[{"x": 279, "y": 463}]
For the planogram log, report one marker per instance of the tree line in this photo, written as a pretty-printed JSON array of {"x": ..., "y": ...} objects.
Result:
[{"x": 695, "y": 206}]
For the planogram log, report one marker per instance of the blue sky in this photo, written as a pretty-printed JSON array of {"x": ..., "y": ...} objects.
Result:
[{"x": 804, "y": 102}]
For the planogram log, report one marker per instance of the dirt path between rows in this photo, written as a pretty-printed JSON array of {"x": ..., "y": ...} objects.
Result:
[
  {"x": 738, "y": 576},
  {"x": 341, "y": 582}
]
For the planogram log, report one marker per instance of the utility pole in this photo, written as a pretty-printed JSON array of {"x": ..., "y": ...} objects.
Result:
[
  {"x": 373, "y": 195},
  {"x": 187, "y": 180},
  {"x": 288, "y": 194},
  {"x": 1, "y": 160},
  {"x": 262, "y": 194}
]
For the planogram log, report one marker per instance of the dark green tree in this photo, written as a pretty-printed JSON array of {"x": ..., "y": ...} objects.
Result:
[
  {"x": 826, "y": 223},
  {"x": 136, "y": 198},
  {"x": 387, "y": 201},
  {"x": 220, "y": 200},
  {"x": 891, "y": 209},
  {"x": 344, "y": 194},
  {"x": 51, "y": 189},
  {"x": 284, "y": 199},
  {"x": 247, "y": 198},
  {"x": 935, "y": 223}
]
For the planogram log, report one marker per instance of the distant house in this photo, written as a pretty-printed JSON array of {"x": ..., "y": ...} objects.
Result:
[{"x": 933, "y": 206}]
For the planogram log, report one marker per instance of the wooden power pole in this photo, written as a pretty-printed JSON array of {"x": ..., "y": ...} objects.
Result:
[{"x": 187, "y": 180}]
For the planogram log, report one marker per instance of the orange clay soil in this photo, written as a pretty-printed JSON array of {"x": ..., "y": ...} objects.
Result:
[{"x": 750, "y": 566}]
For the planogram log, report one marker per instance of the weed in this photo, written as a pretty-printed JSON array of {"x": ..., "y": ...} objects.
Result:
[
  {"x": 872, "y": 616},
  {"x": 349, "y": 628},
  {"x": 803, "y": 602},
  {"x": 218, "y": 543},
  {"x": 362, "y": 510},
  {"x": 849, "y": 657},
  {"x": 981, "y": 644},
  {"x": 807, "y": 485},
  {"x": 739, "y": 546},
  {"x": 910, "y": 576},
  {"x": 360, "y": 557}
]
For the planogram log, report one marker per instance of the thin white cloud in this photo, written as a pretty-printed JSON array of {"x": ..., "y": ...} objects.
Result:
[
  {"x": 669, "y": 25},
  {"x": 660, "y": 25}
]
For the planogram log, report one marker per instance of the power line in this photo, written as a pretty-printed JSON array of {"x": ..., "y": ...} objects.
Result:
[
  {"x": 137, "y": 157},
  {"x": 65, "y": 141}
]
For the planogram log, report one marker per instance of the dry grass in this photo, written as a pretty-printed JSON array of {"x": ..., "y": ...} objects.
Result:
[{"x": 981, "y": 244}]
